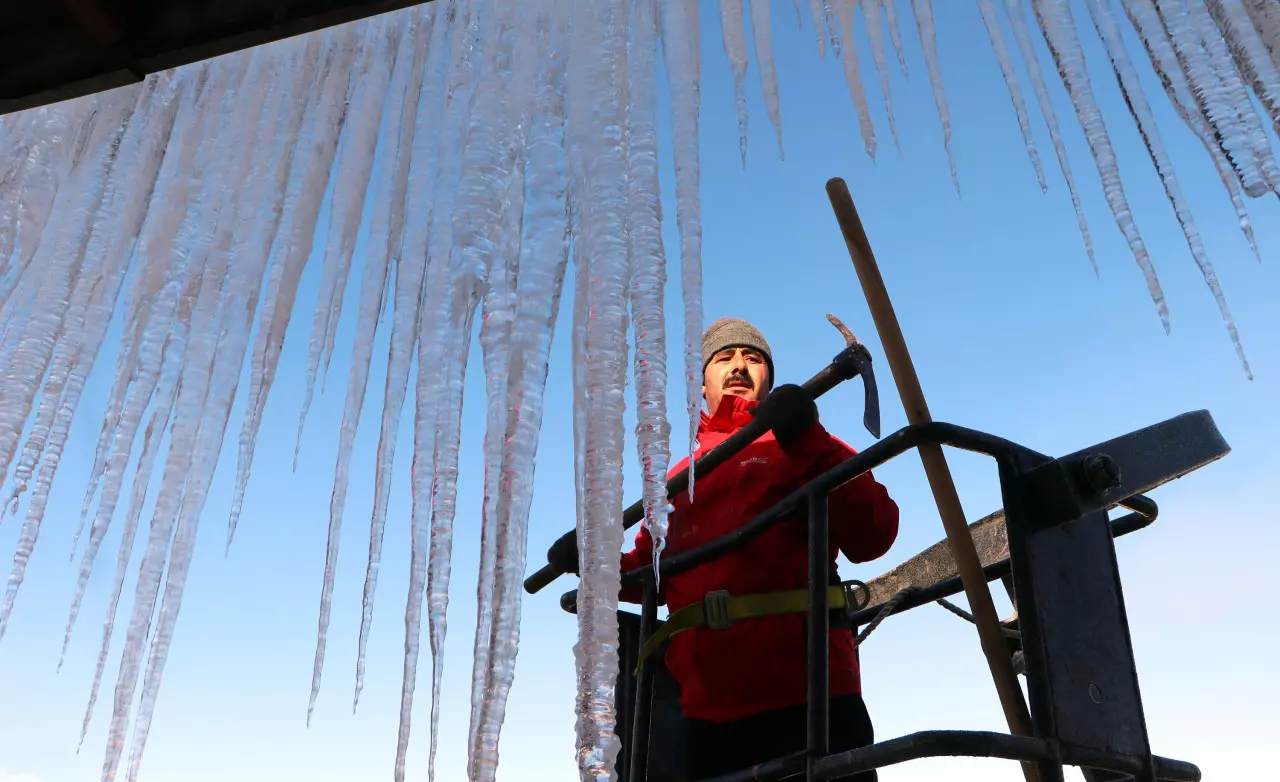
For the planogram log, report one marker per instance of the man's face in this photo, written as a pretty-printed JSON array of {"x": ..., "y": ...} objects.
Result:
[{"x": 735, "y": 372}]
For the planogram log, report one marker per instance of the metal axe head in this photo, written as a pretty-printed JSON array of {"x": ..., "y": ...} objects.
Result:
[{"x": 857, "y": 361}]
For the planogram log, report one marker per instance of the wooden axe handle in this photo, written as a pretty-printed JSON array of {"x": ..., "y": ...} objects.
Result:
[{"x": 935, "y": 465}]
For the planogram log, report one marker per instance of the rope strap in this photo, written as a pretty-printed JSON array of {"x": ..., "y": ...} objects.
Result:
[
  {"x": 1008, "y": 632},
  {"x": 889, "y": 606}
]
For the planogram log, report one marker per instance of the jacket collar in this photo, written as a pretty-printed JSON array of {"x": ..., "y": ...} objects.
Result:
[{"x": 732, "y": 414}]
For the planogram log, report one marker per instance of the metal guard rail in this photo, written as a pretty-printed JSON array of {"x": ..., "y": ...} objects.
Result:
[{"x": 1045, "y": 498}]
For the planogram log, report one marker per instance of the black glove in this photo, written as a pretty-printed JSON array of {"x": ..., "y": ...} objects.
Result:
[
  {"x": 564, "y": 554},
  {"x": 789, "y": 411}
]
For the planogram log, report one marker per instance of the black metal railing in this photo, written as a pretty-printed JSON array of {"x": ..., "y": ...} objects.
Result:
[{"x": 1067, "y": 590}]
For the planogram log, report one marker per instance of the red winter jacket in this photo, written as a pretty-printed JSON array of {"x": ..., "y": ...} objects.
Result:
[{"x": 760, "y": 664}]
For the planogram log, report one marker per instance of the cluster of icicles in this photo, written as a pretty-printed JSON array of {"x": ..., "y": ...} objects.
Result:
[{"x": 479, "y": 144}]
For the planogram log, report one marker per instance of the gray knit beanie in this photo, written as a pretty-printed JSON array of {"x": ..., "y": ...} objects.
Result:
[{"x": 734, "y": 333}]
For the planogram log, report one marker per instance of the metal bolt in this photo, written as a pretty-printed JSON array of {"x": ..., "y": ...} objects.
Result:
[
  {"x": 1101, "y": 473},
  {"x": 1095, "y": 694}
]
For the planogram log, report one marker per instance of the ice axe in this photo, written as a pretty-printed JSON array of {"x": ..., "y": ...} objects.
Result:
[
  {"x": 861, "y": 359},
  {"x": 853, "y": 361}
]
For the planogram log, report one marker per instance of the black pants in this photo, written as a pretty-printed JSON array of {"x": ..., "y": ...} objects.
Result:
[{"x": 722, "y": 748}]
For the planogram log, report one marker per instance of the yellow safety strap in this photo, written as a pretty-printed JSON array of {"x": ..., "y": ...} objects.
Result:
[{"x": 719, "y": 610}]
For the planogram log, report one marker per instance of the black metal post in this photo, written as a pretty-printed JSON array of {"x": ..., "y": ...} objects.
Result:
[
  {"x": 819, "y": 635},
  {"x": 639, "y": 750}
]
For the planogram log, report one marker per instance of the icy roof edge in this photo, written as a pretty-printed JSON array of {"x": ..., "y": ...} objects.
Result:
[{"x": 48, "y": 56}]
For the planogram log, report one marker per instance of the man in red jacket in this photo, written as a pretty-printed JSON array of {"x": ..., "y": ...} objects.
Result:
[{"x": 743, "y": 687}]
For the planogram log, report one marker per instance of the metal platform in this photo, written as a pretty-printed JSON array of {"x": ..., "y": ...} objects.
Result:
[{"x": 1086, "y": 706}]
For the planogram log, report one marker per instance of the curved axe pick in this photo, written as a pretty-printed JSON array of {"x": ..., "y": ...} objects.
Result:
[{"x": 855, "y": 359}]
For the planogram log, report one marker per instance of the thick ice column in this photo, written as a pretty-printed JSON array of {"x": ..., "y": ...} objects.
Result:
[
  {"x": 1059, "y": 27},
  {"x": 543, "y": 254},
  {"x": 443, "y": 111},
  {"x": 1136, "y": 99},
  {"x": 996, "y": 34},
  {"x": 1249, "y": 50},
  {"x": 763, "y": 35},
  {"x": 853, "y": 77},
  {"x": 735, "y": 46},
  {"x": 1155, "y": 39},
  {"x": 1022, "y": 34},
  {"x": 370, "y": 81},
  {"x": 389, "y": 187},
  {"x": 928, "y": 41},
  {"x": 680, "y": 51},
  {"x": 875, "y": 33},
  {"x": 597, "y": 174}
]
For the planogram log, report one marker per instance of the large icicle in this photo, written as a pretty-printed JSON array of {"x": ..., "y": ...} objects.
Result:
[
  {"x": 443, "y": 344},
  {"x": 158, "y": 344},
  {"x": 680, "y": 45},
  {"x": 1146, "y": 21},
  {"x": 1136, "y": 100},
  {"x": 411, "y": 271},
  {"x": 891, "y": 19},
  {"x": 408, "y": 292},
  {"x": 928, "y": 41},
  {"x": 265, "y": 186},
  {"x": 240, "y": 287},
  {"x": 832, "y": 25},
  {"x": 160, "y": 421},
  {"x": 92, "y": 299},
  {"x": 385, "y": 234},
  {"x": 994, "y": 31},
  {"x": 763, "y": 36},
  {"x": 1250, "y": 53},
  {"x": 489, "y": 229},
  {"x": 1059, "y": 30},
  {"x": 179, "y": 463},
  {"x": 648, "y": 275},
  {"x": 154, "y": 269},
  {"x": 496, "y": 323},
  {"x": 53, "y": 146},
  {"x": 1220, "y": 92},
  {"x": 110, "y": 248},
  {"x": 1266, "y": 20},
  {"x": 107, "y": 253},
  {"x": 28, "y": 344},
  {"x": 86, "y": 280},
  {"x": 875, "y": 33},
  {"x": 34, "y": 342},
  {"x": 308, "y": 181},
  {"x": 198, "y": 239},
  {"x": 1235, "y": 92},
  {"x": 369, "y": 83},
  {"x": 819, "y": 25},
  {"x": 597, "y": 169},
  {"x": 543, "y": 256},
  {"x": 322, "y": 128},
  {"x": 852, "y": 75},
  {"x": 1022, "y": 34},
  {"x": 735, "y": 47}
]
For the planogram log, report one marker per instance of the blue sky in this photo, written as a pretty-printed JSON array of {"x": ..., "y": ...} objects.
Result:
[{"x": 1010, "y": 330}]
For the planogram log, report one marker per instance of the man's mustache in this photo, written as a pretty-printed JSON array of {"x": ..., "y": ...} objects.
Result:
[{"x": 744, "y": 378}]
